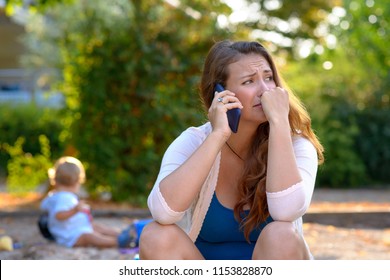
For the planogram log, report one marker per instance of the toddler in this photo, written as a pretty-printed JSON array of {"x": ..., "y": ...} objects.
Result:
[{"x": 69, "y": 219}]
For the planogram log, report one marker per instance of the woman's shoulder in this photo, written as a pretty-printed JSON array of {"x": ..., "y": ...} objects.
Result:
[
  {"x": 199, "y": 131},
  {"x": 302, "y": 144},
  {"x": 190, "y": 139},
  {"x": 195, "y": 134},
  {"x": 299, "y": 138}
]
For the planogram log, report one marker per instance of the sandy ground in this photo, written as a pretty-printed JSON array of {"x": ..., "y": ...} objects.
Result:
[
  {"x": 327, "y": 242},
  {"x": 25, "y": 234},
  {"x": 339, "y": 226}
]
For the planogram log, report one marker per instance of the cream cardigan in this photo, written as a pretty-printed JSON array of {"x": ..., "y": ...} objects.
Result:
[{"x": 288, "y": 205}]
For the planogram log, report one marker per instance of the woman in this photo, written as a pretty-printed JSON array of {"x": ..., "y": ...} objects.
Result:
[{"x": 224, "y": 195}]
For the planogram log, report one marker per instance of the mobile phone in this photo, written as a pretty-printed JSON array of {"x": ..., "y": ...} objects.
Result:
[{"x": 232, "y": 114}]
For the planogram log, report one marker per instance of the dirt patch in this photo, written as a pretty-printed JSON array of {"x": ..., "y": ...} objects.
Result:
[
  {"x": 333, "y": 229},
  {"x": 30, "y": 245}
]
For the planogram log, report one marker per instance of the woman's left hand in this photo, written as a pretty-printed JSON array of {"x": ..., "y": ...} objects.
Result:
[{"x": 275, "y": 104}]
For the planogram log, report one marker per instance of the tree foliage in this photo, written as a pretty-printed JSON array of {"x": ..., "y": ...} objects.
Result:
[
  {"x": 288, "y": 25},
  {"x": 347, "y": 91},
  {"x": 368, "y": 37},
  {"x": 129, "y": 71},
  {"x": 130, "y": 78}
]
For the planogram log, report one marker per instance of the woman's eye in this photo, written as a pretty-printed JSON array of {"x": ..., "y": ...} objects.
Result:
[
  {"x": 247, "y": 82},
  {"x": 270, "y": 78}
]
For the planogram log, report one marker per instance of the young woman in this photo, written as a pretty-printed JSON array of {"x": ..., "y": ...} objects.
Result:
[{"x": 224, "y": 195}]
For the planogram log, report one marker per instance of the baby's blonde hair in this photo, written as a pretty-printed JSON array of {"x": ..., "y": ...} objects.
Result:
[{"x": 67, "y": 171}]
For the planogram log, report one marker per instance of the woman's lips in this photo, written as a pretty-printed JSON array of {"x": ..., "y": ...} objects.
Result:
[{"x": 257, "y": 105}]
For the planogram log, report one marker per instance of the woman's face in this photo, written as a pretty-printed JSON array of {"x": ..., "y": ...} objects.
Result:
[{"x": 248, "y": 78}]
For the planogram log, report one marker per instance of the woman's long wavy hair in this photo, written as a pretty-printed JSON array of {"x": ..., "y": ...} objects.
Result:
[{"x": 251, "y": 188}]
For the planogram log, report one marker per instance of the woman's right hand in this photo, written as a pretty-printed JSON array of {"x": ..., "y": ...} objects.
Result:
[{"x": 222, "y": 102}]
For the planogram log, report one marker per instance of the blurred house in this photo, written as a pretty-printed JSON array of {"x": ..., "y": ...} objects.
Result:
[
  {"x": 10, "y": 47},
  {"x": 17, "y": 84}
]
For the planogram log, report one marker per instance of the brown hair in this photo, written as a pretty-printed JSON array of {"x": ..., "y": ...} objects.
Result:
[
  {"x": 67, "y": 171},
  {"x": 252, "y": 189}
]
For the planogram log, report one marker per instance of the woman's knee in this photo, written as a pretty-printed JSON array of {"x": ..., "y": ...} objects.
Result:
[
  {"x": 158, "y": 238},
  {"x": 281, "y": 240}
]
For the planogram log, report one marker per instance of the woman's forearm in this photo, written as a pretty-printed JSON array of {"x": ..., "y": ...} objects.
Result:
[
  {"x": 282, "y": 169},
  {"x": 186, "y": 181}
]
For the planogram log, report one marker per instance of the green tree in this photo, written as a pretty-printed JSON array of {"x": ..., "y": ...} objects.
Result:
[
  {"x": 368, "y": 37},
  {"x": 287, "y": 26},
  {"x": 347, "y": 91},
  {"x": 130, "y": 71}
]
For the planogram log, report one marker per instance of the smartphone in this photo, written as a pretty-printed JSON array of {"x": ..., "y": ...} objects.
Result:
[{"x": 233, "y": 114}]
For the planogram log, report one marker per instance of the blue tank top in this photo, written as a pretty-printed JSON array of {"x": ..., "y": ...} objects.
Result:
[{"x": 220, "y": 237}]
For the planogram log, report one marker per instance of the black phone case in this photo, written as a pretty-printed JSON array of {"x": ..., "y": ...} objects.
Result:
[{"x": 233, "y": 114}]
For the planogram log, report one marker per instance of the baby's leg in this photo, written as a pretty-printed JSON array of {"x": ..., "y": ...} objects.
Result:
[
  {"x": 96, "y": 239},
  {"x": 105, "y": 230}
]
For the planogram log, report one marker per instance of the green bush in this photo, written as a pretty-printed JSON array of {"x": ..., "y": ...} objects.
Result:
[
  {"x": 357, "y": 146},
  {"x": 29, "y": 122},
  {"x": 27, "y": 171},
  {"x": 373, "y": 142},
  {"x": 130, "y": 75},
  {"x": 344, "y": 166}
]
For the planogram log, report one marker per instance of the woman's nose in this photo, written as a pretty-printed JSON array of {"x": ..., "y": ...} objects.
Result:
[{"x": 262, "y": 87}]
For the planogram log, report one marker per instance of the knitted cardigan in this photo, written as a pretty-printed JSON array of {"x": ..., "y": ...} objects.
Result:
[{"x": 287, "y": 205}]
